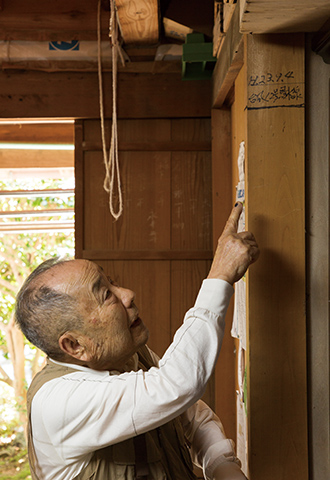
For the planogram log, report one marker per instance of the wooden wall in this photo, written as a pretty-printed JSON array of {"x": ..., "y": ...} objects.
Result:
[
  {"x": 160, "y": 258},
  {"x": 161, "y": 246}
]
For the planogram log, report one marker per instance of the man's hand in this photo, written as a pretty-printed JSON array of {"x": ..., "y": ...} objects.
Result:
[{"x": 235, "y": 251}]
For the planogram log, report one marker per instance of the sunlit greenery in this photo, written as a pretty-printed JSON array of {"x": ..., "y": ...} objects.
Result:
[{"x": 20, "y": 253}]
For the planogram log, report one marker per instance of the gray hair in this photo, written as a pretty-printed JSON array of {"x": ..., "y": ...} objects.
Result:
[{"x": 44, "y": 314}]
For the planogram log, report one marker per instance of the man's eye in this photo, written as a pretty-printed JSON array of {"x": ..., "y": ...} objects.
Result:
[{"x": 107, "y": 294}]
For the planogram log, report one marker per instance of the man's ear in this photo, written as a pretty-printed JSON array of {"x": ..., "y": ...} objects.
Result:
[{"x": 71, "y": 343}]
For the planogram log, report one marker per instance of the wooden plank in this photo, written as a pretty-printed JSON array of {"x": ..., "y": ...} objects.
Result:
[
  {"x": 47, "y": 212},
  {"x": 196, "y": 131},
  {"x": 139, "y": 21},
  {"x": 51, "y": 21},
  {"x": 191, "y": 201},
  {"x": 148, "y": 254},
  {"x": 130, "y": 131},
  {"x": 161, "y": 135},
  {"x": 281, "y": 16},
  {"x": 238, "y": 134},
  {"x": 192, "y": 14},
  {"x": 190, "y": 187},
  {"x": 229, "y": 62},
  {"x": 139, "y": 66},
  {"x": 145, "y": 186},
  {"x": 41, "y": 227},
  {"x": 36, "y": 158},
  {"x": 79, "y": 190},
  {"x": 153, "y": 146},
  {"x": 186, "y": 279},
  {"x": 37, "y": 132},
  {"x": 225, "y": 397},
  {"x": 153, "y": 295},
  {"x": 277, "y": 403},
  {"x": 75, "y": 95}
]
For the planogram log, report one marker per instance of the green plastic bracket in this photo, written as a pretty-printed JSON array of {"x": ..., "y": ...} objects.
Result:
[{"x": 198, "y": 61}]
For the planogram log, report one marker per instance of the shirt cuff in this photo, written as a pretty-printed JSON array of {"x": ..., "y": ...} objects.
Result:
[{"x": 213, "y": 294}]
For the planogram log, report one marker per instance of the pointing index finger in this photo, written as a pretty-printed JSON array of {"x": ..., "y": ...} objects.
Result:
[{"x": 232, "y": 222}]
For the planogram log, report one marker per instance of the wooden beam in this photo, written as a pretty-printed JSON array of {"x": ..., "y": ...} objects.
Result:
[
  {"x": 76, "y": 95},
  {"x": 36, "y": 158},
  {"x": 148, "y": 255},
  {"x": 50, "y": 66},
  {"x": 170, "y": 146},
  {"x": 52, "y": 21},
  {"x": 79, "y": 189},
  {"x": 283, "y": 16},
  {"x": 26, "y": 227},
  {"x": 139, "y": 21},
  {"x": 36, "y": 193},
  {"x": 36, "y": 213},
  {"x": 229, "y": 62},
  {"x": 61, "y": 133}
]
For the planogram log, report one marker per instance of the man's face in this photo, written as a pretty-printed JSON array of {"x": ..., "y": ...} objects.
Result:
[{"x": 113, "y": 330}]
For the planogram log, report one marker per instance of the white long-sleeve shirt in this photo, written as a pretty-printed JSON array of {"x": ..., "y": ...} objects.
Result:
[{"x": 74, "y": 415}]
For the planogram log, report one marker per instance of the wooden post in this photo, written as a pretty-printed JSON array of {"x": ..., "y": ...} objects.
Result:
[
  {"x": 225, "y": 401},
  {"x": 277, "y": 400}
]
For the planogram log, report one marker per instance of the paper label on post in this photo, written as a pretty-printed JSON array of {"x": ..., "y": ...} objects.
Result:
[{"x": 238, "y": 329}]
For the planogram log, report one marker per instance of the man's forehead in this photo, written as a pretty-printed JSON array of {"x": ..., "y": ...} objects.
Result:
[{"x": 70, "y": 273}]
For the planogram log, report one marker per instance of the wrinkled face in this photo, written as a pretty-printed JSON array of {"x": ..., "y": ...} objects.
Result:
[{"x": 113, "y": 330}]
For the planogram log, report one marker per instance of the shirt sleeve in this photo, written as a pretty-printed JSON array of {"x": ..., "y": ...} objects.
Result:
[
  {"x": 88, "y": 410},
  {"x": 209, "y": 445}
]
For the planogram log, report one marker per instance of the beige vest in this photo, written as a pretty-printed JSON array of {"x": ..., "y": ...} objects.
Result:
[{"x": 158, "y": 455}]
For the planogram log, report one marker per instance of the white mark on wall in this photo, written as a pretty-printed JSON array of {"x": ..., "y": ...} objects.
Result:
[
  {"x": 193, "y": 204},
  {"x": 152, "y": 224},
  {"x": 178, "y": 226},
  {"x": 178, "y": 210},
  {"x": 177, "y": 194}
]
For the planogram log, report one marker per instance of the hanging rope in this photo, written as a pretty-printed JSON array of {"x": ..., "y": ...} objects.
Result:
[{"x": 111, "y": 160}]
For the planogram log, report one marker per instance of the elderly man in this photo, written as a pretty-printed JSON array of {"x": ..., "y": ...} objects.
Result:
[{"x": 105, "y": 407}]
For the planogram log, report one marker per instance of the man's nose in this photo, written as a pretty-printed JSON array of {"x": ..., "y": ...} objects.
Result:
[{"x": 127, "y": 297}]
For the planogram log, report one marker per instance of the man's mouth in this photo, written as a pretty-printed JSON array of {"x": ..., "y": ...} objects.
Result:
[{"x": 136, "y": 323}]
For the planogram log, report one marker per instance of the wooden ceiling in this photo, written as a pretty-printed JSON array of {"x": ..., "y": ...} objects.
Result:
[
  {"x": 66, "y": 20},
  {"x": 141, "y": 26},
  {"x": 142, "y": 20}
]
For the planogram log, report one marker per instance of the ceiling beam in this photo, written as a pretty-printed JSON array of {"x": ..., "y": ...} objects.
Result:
[
  {"x": 139, "y": 21},
  {"x": 63, "y": 20},
  {"x": 283, "y": 16},
  {"x": 76, "y": 20},
  {"x": 229, "y": 63}
]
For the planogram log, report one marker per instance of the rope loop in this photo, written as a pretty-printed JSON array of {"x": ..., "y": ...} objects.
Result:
[{"x": 111, "y": 160}]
